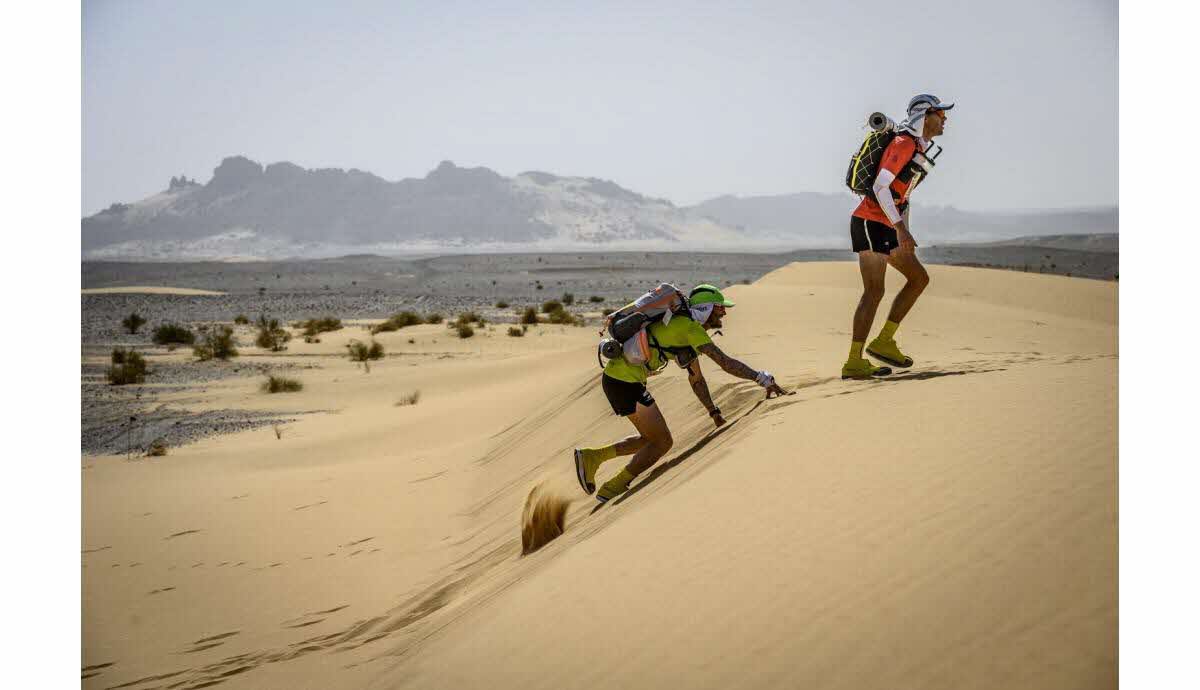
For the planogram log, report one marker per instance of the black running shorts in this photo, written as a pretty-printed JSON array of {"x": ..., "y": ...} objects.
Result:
[
  {"x": 868, "y": 234},
  {"x": 624, "y": 396}
]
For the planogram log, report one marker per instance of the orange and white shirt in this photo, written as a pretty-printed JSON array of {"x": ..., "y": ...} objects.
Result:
[{"x": 888, "y": 187}]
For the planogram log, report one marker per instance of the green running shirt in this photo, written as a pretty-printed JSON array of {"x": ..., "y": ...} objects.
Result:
[{"x": 681, "y": 332}]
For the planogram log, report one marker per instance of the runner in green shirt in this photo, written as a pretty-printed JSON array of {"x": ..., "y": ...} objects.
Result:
[{"x": 681, "y": 338}]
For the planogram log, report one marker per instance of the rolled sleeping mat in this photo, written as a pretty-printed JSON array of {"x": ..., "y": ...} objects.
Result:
[{"x": 880, "y": 122}]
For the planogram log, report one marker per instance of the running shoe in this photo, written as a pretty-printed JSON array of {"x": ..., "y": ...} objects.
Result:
[
  {"x": 614, "y": 487},
  {"x": 861, "y": 368},
  {"x": 886, "y": 349},
  {"x": 587, "y": 461}
]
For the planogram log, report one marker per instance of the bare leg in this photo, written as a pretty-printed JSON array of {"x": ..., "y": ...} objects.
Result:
[
  {"x": 630, "y": 444},
  {"x": 873, "y": 266},
  {"x": 918, "y": 279},
  {"x": 656, "y": 438}
]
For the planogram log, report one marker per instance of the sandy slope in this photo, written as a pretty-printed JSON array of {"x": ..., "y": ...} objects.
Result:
[{"x": 953, "y": 527}]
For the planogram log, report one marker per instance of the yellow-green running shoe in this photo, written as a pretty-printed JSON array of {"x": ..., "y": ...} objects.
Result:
[
  {"x": 861, "y": 368},
  {"x": 887, "y": 350},
  {"x": 614, "y": 487},
  {"x": 587, "y": 461}
]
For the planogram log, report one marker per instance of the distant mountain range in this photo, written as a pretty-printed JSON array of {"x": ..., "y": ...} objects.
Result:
[{"x": 247, "y": 211}]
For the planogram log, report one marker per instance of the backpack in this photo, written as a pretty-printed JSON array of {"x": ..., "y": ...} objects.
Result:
[
  {"x": 628, "y": 327},
  {"x": 864, "y": 164}
]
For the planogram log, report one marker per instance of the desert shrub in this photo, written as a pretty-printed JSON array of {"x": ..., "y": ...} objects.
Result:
[
  {"x": 130, "y": 369},
  {"x": 324, "y": 324},
  {"x": 606, "y": 312},
  {"x": 529, "y": 316},
  {"x": 217, "y": 344},
  {"x": 411, "y": 399},
  {"x": 157, "y": 448},
  {"x": 551, "y": 306},
  {"x": 241, "y": 320},
  {"x": 434, "y": 318},
  {"x": 133, "y": 322},
  {"x": 173, "y": 334},
  {"x": 271, "y": 336},
  {"x": 562, "y": 316},
  {"x": 516, "y": 332},
  {"x": 469, "y": 317},
  {"x": 281, "y": 384},
  {"x": 540, "y": 286},
  {"x": 595, "y": 299},
  {"x": 502, "y": 304},
  {"x": 397, "y": 321},
  {"x": 361, "y": 352},
  {"x": 568, "y": 298},
  {"x": 464, "y": 330}
]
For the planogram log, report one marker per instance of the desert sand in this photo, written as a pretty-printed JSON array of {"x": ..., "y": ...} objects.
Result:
[
  {"x": 954, "y": 526},
  {"x": 147, "y": 290}
]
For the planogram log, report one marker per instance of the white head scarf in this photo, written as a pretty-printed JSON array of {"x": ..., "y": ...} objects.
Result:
[
  {"x": 700, "y": 313},
  {"x": 915, "y": 122}
]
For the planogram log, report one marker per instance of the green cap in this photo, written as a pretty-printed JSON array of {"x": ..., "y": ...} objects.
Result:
[{"x": 705, "y": 294}]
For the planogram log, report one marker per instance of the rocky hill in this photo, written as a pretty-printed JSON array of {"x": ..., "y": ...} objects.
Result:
[{"x": 282, "y": 210}]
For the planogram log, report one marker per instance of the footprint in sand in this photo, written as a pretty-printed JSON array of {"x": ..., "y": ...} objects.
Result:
[
  {"x": 184, "y": 533},
  {"x": 310, "y": 505},
  {"x": 214, "y": 638},
  {"x": 209, "y": 642},
  {"x": 326, "y": 612},
  {"x": 99, "y": 548},
  {"x": 356, "y": 543},
  {"x": 95, "y": 669},
  {"x": 312, "y": 617},
  {"x": 160, "y": 591}
]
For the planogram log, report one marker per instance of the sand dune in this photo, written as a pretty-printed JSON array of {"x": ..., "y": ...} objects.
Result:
[{"x": 952, "y": 527}]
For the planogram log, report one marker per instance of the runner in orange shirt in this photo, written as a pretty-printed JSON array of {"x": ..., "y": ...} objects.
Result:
[{"x": 880, "y": 236}]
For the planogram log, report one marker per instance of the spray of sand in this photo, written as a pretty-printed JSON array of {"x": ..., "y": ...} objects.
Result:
[{"x": 544, "y": 517}]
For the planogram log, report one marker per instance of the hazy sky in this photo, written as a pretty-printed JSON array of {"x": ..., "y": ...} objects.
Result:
[{"x": 668, "y": 99}]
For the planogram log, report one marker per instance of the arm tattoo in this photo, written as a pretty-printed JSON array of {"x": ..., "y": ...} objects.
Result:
[
  {"x": 699, "y": 385},
  {"x": 731, "y": 366}
]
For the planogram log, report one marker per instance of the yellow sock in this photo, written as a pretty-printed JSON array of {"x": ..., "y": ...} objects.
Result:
[
  {"x": 602, "y": 454},
  {"x": 856, "y": 349},
  {"x": 889, "y": 330}
]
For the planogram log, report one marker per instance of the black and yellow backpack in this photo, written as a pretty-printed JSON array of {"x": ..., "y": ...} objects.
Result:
[{"x": 864, "y": 164}]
